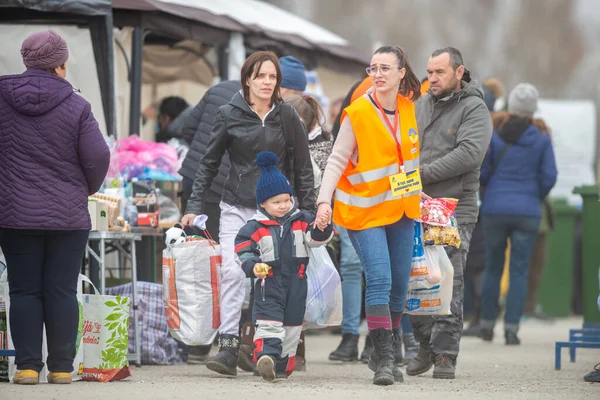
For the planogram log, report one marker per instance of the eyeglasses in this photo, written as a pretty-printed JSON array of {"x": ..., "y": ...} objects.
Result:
[{"x": 384, "y": 69}]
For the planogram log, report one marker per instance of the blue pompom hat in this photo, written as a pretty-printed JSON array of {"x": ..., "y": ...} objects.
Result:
[{"x": 271, "y": 182}]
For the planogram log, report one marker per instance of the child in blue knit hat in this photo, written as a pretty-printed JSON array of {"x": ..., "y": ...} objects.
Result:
[{"x": 274, "y": 247}]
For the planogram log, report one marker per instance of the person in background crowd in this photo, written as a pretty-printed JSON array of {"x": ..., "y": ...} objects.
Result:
[
  {"x": 350, "y": 267},
  {"x": 273, "y": 247},
  {"x": 511, "y": 208},
  {"x": 254, "y": 120},
  {"x": 352, "y": 280},
  {"x": 424, "y": 85},
  {"x": 53, "y": 157},
  {"x": 493, "y": 90},
  {"x": 381, "y": 228},
  {"x": 335, "y": 108},
  {"x": 311, "y": 115},
  {"x": 356, "y": 91},
  {"x": 455, "y": 129},
  {"x": 538, "y": 262},
  {"x": 172, "y": 113},
  {"x": 293, "y": 80},
  {"x": 199, "y": 125}
]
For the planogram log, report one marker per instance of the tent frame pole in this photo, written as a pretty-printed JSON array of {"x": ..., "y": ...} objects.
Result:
[{"x": 137, "y": 44}]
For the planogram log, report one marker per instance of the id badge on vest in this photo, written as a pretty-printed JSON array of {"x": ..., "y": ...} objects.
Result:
[{"x": 405, "y": 182}]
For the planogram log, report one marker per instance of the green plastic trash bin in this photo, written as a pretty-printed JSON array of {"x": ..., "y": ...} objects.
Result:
[
  {"x": 556, "y": 288},
  {"x": 591, "y": 251}
]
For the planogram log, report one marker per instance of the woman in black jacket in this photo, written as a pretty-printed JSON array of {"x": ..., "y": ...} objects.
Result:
[{"x": 255, "y": 120}]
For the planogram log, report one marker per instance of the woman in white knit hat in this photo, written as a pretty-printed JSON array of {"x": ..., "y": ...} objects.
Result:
[{"x": 518, "y": 173}]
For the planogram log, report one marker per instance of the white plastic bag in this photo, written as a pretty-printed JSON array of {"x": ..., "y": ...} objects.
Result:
[
  {"x": 435, "y": 300},
  {"x": 191, "y": 276},
  {"x": 324, "y": 296},
  {"x": 425, "y": 272},
  {"x": 77, "y": 362},
  {"x": 248, "y": 290}
]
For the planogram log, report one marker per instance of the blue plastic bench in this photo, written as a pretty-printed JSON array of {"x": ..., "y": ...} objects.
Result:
[{"x": 586, "y": 338}]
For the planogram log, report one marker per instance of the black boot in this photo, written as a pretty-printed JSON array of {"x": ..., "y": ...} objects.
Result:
[
  {"x": 511, "y": 338},
  {"x": 347, "y": 350},
  {"x": 411, "y": 347},
  {"x": 398, "y": 349},
  {"x": 226, "y": 359},
  {"x": 366, "y": 353},
  {"x": 421, "y": 363},
  {"x": 246, "y": 353},
  {"x": 383, "y": 346},
  {"x": 486, "y": 334},
  {"x": 374, "y": 360},
  {"x": 472, "y": 330}
]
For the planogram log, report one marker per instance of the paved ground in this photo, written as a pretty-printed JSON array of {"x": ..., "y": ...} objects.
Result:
[{"x": 486, "y": 371}]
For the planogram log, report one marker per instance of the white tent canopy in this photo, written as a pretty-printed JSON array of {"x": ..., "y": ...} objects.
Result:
[{"x": 267, "y": 17}]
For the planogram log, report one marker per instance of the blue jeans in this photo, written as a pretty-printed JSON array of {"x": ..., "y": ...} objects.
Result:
[
  {"x": 522, "y": 232},
  {"x": 406, "y": 325},
  {"x": 386, "y": 255},
  {"x": 351, "y": 271}
]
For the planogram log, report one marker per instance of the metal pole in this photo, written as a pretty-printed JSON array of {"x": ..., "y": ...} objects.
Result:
[
  {"x": 102, "y": 266},
  {"x": 137, "y": 336},
  {"x": 137, "y": 43},
  {"x": 223, "y": 52}
]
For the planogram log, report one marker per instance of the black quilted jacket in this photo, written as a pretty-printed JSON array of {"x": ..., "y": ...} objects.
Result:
[{"x": 198, "y": 125}]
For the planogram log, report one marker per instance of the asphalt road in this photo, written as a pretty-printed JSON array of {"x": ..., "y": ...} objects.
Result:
[{"x": 485, "y": 371}]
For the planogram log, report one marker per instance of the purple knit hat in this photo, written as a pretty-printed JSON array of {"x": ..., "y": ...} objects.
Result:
[{"x": 44, "y": 50}]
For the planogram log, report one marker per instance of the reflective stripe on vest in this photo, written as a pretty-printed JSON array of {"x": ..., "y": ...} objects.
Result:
[
  {"x": 373, "y": 175},
  {"x": 364, "y": 202},
  {"x": 367, "y": 202},
  {"x": 411, "y": 165}
]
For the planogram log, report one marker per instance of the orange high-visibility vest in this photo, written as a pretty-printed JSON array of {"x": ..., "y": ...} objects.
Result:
[{"x": 363, "y": 197}]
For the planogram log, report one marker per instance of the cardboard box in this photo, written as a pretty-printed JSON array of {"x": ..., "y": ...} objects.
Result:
[
  {"x": 148, "y": 219},
  {"x": 98, "y": 214}
]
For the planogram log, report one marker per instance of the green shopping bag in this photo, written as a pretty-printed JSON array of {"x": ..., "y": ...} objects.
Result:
[{"x": 105, "y": 337}]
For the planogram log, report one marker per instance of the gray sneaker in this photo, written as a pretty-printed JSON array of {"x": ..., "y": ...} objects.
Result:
[
  {"x": 444, "y": 367},
  {"x": 420, "y": 364}
]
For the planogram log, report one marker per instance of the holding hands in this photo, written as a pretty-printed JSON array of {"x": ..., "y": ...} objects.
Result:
[{"x": 323, "y": 218}]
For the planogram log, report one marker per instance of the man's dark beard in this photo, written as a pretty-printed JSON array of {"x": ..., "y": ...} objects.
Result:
[{"x": 444, "y": 94}]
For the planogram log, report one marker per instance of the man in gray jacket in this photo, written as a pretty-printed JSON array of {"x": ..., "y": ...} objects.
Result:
[{"x": 455, "y": 129}]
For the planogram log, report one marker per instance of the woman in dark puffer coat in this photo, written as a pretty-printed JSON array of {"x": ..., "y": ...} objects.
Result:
[{"x": 52, "y": 156}]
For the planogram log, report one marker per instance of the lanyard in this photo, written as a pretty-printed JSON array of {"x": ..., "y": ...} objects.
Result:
[{"x": 394, "y": 128}]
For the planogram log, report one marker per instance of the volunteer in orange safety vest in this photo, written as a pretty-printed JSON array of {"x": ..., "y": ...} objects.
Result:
[{"x": 373, "y": 170}]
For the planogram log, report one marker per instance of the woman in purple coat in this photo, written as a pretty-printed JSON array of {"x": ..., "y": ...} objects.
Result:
[{"x": 52, "y": 156}]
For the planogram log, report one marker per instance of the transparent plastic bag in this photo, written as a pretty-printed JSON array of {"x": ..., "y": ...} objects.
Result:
[
  {"x": 434, "y": 235},
  {"x": 436, "y": 299},
  {"x": 324, "y": 295},
  {"x": 437, "y": 211}
]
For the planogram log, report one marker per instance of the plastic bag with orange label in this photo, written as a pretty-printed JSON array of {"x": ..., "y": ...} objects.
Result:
[
  {"x": 436, "y": 299},
  {"x": 425, "y": 271}
]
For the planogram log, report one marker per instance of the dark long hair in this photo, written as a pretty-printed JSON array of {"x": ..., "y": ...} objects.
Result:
[
  {"x": 250, "y": 71},
  {"x": 410, "y": 86},
  {"x": 309, "y": 110}
]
